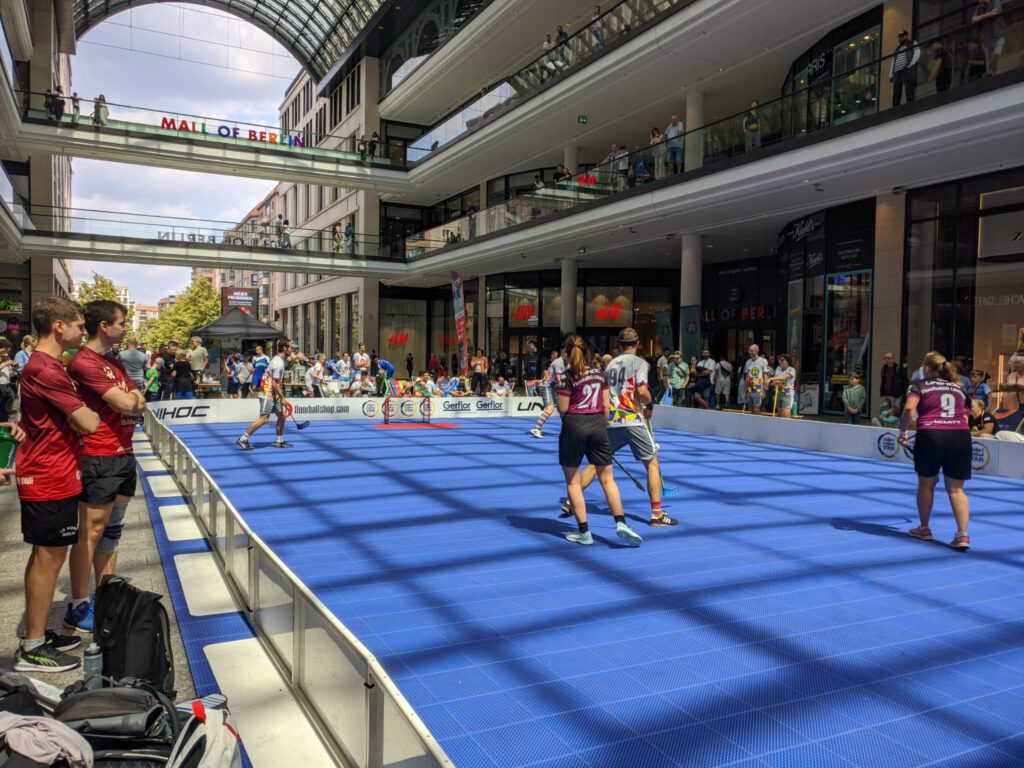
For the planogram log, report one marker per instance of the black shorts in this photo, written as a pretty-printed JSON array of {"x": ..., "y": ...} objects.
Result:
[
  {"x": 106, "y": 477},
  {"x": 945, "y": 449},
  {"x": 50, "y": 523},
  {"x": 584, "y": 434}
]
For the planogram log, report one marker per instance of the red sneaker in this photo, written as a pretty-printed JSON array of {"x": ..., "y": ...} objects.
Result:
[
  {"x": 921, "y": 532},
  {"x": 962, "y": 542}
]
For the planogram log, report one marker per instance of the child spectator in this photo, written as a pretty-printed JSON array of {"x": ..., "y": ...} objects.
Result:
[{"x": 854, "y": 398}]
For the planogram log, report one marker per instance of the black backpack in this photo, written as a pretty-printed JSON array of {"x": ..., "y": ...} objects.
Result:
[{"x": 132, "y": 628}]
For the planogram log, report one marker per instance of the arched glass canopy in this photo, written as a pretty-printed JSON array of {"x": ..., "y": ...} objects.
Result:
[{"x": 315, "y": 31}]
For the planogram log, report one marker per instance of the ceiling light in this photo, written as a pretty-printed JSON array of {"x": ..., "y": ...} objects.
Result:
[{"x": 806, "y": 181}]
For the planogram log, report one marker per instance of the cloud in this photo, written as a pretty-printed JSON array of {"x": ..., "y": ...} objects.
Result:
[{"x": 146, "y": 283}]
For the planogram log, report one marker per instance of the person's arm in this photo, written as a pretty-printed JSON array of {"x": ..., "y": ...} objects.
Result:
[
  {"x": 84, "y": 421},
  {"x": 606, "y": 403},
  {"x": 916, "y": 55},
  {"x": 907, "y": 416},
  {"x": 986, "y": 428}
]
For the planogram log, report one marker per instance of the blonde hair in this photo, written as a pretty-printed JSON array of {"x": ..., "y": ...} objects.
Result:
[
  {"x": 940, "y": 366},
  {"x": 576, "y": 349},
  {"x": 976, "y": 402},
  {"x": 29, "y": 341}
]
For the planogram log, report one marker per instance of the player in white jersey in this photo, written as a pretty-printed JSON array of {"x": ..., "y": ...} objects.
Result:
[
  {"x": 272, "y": 400},
  {"x": 547, "y": 391},
  {"x": 627, "y": 376}
]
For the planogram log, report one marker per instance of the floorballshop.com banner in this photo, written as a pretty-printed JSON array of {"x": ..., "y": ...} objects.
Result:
[{"x": 347, "y": 408}]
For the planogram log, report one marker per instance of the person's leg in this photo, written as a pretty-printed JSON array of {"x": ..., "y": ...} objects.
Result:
[
  {"x": 925, "y": 498},
  {"x": 92, "y": 521},
  {"x": 263, "y": 419},
  {"x": 41, "y": 572},
  {"x": 281, "y": 419},
  {"x": 606, "y": 477},
  {"x": 911, "y": 85},
  {"x": 104, "y": 560},
  {"x": 958, "y": 500}
]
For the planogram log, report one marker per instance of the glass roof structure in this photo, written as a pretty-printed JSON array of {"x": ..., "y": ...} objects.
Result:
[{"x": 315, "y": 31}]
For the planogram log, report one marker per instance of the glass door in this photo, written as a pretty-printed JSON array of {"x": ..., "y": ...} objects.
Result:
[{"x": 848, "y": 323}]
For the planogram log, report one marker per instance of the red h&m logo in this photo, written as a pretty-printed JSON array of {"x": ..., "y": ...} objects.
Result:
[
  {"x": 525, "y": 311},
  {"x": 586, "y": 180},
  {"x": 609, "y": 312},
  {"x": 397, "y": 339}
]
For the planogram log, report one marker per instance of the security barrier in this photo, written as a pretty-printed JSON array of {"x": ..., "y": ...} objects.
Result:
[{"x": 356, "y": 709}]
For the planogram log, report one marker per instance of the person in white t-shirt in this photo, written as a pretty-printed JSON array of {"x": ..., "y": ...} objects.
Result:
[
  {"x": 785, "y": 384},
  {"x": 272, "y": 399},
  {"x": 548, "y": 391},
  {"x": 662, "y": 367},
  {"x": 314, "y": 380},
  {"x": 500, "y": 388},
  {"x": 360, "y": 364},
  {"x": 723, "y": 383},
  {"x": 631, "y": 402},
  {"x": 754, "y": 376},
  {"x": 705, "y": 373}
]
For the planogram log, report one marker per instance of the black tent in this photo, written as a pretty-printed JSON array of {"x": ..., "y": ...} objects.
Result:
[{"x": 237, "y": 324}]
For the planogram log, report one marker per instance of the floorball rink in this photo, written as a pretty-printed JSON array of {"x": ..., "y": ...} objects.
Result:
[{"x": 787, "y": 621}]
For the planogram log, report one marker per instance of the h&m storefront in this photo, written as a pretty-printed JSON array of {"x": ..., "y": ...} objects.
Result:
[{"x": 811, "y": 299}]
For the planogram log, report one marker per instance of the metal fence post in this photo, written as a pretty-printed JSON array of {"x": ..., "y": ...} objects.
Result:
[{"x": 374, "y": 722}]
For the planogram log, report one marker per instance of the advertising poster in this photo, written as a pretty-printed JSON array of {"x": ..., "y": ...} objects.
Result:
[{"x": 459, "y": 302}]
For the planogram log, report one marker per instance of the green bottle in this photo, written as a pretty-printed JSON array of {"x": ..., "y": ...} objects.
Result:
[{"x": 8, "y": 447}]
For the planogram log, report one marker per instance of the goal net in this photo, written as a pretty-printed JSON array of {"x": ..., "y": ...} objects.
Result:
[{"x": 406, "y": 409}]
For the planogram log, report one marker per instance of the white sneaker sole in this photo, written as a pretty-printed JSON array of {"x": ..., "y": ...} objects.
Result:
[{"x": 631, "y": 537}]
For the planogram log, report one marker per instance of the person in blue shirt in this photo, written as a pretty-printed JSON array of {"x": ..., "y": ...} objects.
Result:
[
  {"x": 28, "y": 345},
  {"x": 260, "y": 362},
  {"x": 385, "y": 370},
  {"x": 977, "y": 390}
]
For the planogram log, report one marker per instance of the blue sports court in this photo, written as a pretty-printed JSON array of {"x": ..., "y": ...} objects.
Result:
[{"x": 787, "y": 621}]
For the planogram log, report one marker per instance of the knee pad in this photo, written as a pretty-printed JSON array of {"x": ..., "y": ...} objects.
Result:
[{"x": 111, "y": 537}]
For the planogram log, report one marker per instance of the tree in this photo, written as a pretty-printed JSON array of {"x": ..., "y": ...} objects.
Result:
[
  {"x": 101, "y": 289},
  {"x": 198, "y": 305}
]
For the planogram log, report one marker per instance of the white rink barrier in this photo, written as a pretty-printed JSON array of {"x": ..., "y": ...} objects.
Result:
[
  {"x": 341, "y": 408},
  {"x": 990, "y": 457}
]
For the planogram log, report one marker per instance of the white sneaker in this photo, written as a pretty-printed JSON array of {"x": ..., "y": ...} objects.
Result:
[
  {"x": 537, "y": 433},
  {"x": 580, "y": 538},
  {"x": 628, "y": 535}
]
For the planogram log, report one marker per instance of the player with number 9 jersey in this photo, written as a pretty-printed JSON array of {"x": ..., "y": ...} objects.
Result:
[{"x": 942, "y": 404}]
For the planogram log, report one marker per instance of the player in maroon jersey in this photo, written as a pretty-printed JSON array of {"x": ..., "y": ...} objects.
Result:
[
  {"x": 585, "y": 405},
  {"x": 943, "y": 442}
]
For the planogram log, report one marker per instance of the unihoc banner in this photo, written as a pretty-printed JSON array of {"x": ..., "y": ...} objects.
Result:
[{"x": 459, "y": 301}]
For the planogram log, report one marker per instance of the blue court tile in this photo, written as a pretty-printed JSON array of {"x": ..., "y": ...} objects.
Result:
[
  {"x": 704, "y": 702},
  {"x": 582, "y": 728},
  {"x": 635, "y": 753},
  {"x": 698, "y": 745},
  {"x": 670, "y": 675},
  {"x": 805, "y": 756},
  {"x": 984, "y": 757},
  {"x": 440, "y": 722},
  {"x": 814, "y": 718},
  {"x": 935, "y": 734},
  {"x": 514, "y": 745},
  {"x": 870, "y": 749},
  {"x": 466, "y": 753},
  {"x": 648, "y": 714},
  {"x": 757, "y": 733},
  {"x": 480, "y": 713}
]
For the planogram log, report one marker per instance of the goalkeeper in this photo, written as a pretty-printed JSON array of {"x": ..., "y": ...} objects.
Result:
[{"x": 385, "y": 371}]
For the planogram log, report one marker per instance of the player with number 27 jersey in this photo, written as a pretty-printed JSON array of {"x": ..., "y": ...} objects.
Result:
[
  {"x": 942, "y": 404},
  {"x": 584, "y": 392}
]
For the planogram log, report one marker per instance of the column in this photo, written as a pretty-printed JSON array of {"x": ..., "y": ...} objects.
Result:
[
  {"x": 567, "y": 323},
  {"x": 694, "y": 149},
  {"x": 690, "y": 265},
  {"x": 887, "y": 282},
  {"x": 481, "y": 318},
  {"x": 369, "y": 308},
  {"x": 571, "y": 157}
]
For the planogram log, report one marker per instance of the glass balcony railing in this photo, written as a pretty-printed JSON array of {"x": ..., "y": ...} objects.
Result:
[
  {"x": 125, "y": 119},
  {"x": 13, "y": 203},
  {"x": 210, "y": 233},
  {"x": 7, "y": 58},
  {"x": 828, "y": 102},
  {"x": 497, "y": 99}
]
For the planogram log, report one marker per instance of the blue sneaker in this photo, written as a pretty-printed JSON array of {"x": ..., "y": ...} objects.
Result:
[{"x": 79, "y": 619}]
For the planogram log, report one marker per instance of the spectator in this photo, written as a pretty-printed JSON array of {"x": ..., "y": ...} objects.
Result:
[
  {"x": 28, "y": 346},
  {"x": 674, "y": 138},
  {"x": 244, "y": 376},
  {"x": 942, "y": 68},
  {"x": 286, "y": 238},
  {"x": 723, "y": 383},
  {"x": 752, "y": 127},
  {"x": 622, "y": 166},
  {"x": 152, "y": 383},
  {"x": 479, "y": 367},
  {"x": 562, "y": 40},
  {"x": 1012, "y": 403},
  {"x": 100, "y": 112},
  {"x": 500, "y": 388},
  {"x": 754, "y": 378},
  {"x": 903, "y": 68},
  {"x": 409, "y": 364},
  {"x": 279, "y": 230},
  {"x": 892, "y": 381},
  {"x": 169, "y": 356},
  {"x": 976, "y": 64},
  {"x": 260, "y": 363},
  {"x": 433, "y": 363},
  {"x": 537, "y": 183},
  {"x": 350, "y": 238},
  {"x": 471, "y": 218},
  {"x": 662, "y": 368},
  {"x": 134, "y": 363},
  {"x": 597, "y": 26},
  {"x": 8, "y": 367},
  {"x": 76, "y": 108},
  {"x": 979, "y": 389},
  {"x": 336, "y": 238},
  {"x": 784, "y": 380},
  {"x": 314, "y": 378},
  {"x": 199, "y": 359},
  {"x": 48, "y": 103},
  {"x": 371, "y": 147},
  {"x": 959, "y": 366},
  {"x": 548, "y": 46},
  {"x": 59, "y": 104},
  {"x": 231, "y": 375},
  {"x": 678, "y": 378},
  {"x": 983, "y": 423},
  {"x": 992, "y": 30},
  {"x": 658, "y": 149},
  {"x": 691, "y": 384},
  {"x": 705, "y": 373},
  {"x": 361, "y": 147},
  {"x": 854, "y": 398}
]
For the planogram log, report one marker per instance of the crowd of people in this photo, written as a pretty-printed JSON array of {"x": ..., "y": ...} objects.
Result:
[{"x": 55, "y": 104}]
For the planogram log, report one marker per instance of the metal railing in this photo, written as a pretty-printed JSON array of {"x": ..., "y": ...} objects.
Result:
[
  {"x": 136, "y": 121},
  {"x": 806, "y": 112},
  {"x": 213, "y": 233},
  {"x": 356, "y": 708}
]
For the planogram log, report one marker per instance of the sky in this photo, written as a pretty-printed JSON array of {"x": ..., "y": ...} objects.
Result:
[{"x": 243, "y": 77}]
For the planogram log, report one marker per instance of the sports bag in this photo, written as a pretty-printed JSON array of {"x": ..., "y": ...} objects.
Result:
[
  {"x": 208, "y": 740},
  {"x": 132, "y": 628}
]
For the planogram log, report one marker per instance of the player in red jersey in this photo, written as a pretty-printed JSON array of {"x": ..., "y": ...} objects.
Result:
[
  {"x": 108, "y": 464},
  {"x": 943, "y": 442},
  {"x": 49, "y": 477},
  {"x": 585, "y": 405}
]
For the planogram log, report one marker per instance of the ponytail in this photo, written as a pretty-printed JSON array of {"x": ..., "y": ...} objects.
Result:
[
  {"x": 940, "y": 367},
  {"x": 576, "y": 350}
]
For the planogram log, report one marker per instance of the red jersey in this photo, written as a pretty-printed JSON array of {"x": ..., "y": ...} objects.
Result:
[
  {"x": 95, "y": 375},
  {"x": 942, "y": 404},
  {"x": 48, "y": 464},
  {"x": 586, "y": 393}
]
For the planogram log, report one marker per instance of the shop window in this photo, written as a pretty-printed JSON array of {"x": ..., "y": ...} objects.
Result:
[
  {"x": 403, "y": 329},
  {"x": 609, "y": 307},
  {"x": 848, "y": 319},
  {"x": 522, "y": 308}
]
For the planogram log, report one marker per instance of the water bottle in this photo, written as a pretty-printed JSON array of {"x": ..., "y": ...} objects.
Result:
[
  {"x": 92, "y": 667},
  {"x": 8, "y": 447}
]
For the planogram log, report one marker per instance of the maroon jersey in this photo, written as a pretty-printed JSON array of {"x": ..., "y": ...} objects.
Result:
[
  {"x": 48, "y": 464},
  {"x": 941, "y": 405},
  {"x": 95, "y": 374},
  {"x": 586, "y": 393}
]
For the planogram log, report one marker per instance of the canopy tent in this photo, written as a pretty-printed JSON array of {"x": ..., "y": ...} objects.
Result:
[{"x": 237, "y": 324}]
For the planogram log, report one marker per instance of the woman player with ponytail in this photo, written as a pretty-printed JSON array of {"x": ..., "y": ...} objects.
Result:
[
  {"x": 943, "y": 442},
  {"x": 585, "y": 406}
]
